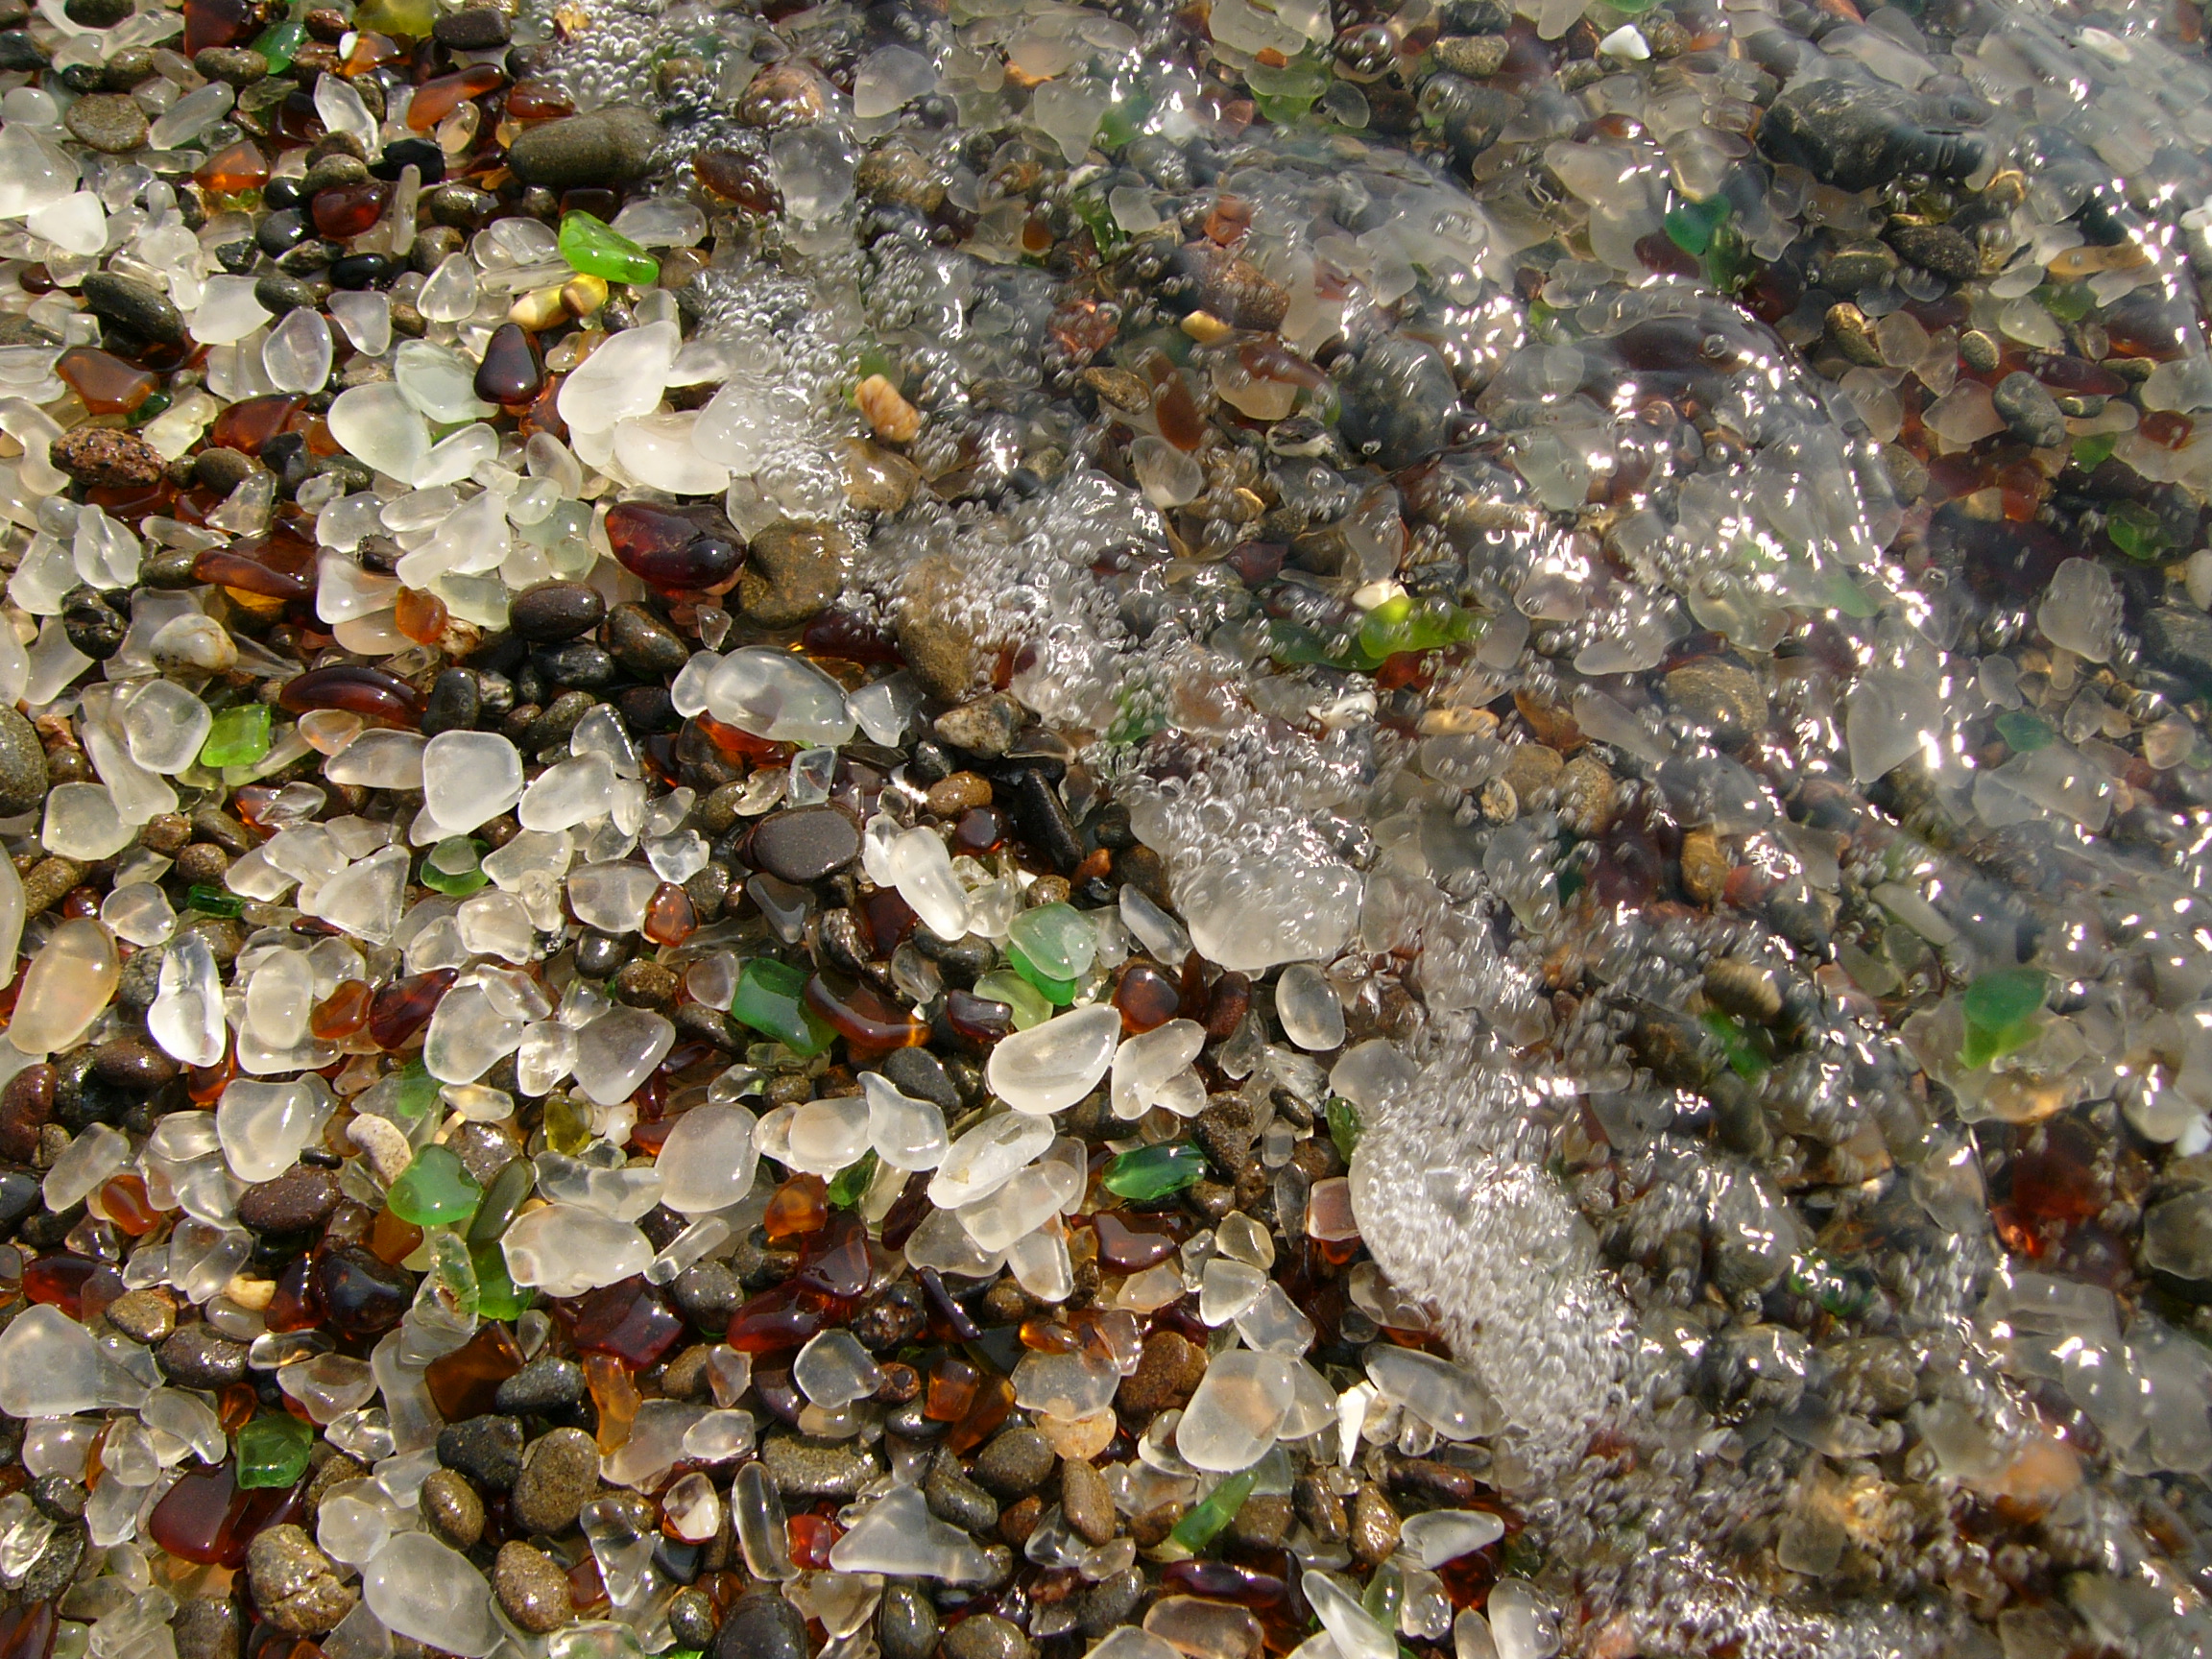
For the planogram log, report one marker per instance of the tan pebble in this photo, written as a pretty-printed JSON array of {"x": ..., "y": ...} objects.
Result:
[
  {"x": 886, "y": 411},
  {"x": 1704, "y": 866},
  {"x": 540, "y": 308},
  {"x": 387, "y": 1149},
  {"x": 252, "y": 1294},
  {"x": 1205, "y": 327},
  {"x": 584, "y": 295}
]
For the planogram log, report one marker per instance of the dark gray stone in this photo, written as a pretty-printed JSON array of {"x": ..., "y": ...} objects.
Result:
[
  {"x": 2030, "y": 411},
  {"x": 196, "y": 1358},
  {"x": 472, "y": 28},
  {"x": 953, "y": 1497},
  {"x": 608, "y": 147},
  {"x": 1396, "y": 399},
  {"x": 1859, "y": 134},
  {"x": 548, "y": 1383},
  {"x": 23, "y": 765},
  {"x": 805, "y": 844},
  {"x": 762, "y": 1625},
  {"x": 2179, "y": 641},
  {"x": 986, "y": 1636},
  {"x": 111, "y": 123},
  {"x": 135, "y": 305},
  {"x": 552, "y": 611},
  {"x": 803, "y": 1467},
  {"x": 905, "y": 1623},
  {"x": 487, "y": 1449}
]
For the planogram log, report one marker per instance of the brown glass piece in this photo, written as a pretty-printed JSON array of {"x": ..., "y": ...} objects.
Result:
[
  {"x": 204, "y": 1519},
  {"x": 402, "y": 1008},
  {"x": 356, "y": 688},
  {"x": 512, "y": 370},
  {"x": 463, "y": 1384},
  {"x": 344, "y": 211},
  {"x": 104, "y": 382},
  {"x": 435, "y": 100},
  {"x": 1145, "y": 998}
]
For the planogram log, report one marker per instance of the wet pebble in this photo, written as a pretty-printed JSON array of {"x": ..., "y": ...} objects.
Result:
[
  {"x": 451, "y": 1508},
  {"x": 531, "y": 1588},
  {"x": 560, "y": 1474}
]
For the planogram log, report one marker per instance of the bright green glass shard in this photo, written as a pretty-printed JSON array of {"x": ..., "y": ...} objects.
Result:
[
  {"x": 212, "y": 900},
  {"x": 418, "y": 1089},
  {"x": 451, "y": 867},
  {"x": 1343, "y": 1126},
  {"x": 591, "y": 246},
  {"x": 272, "y": 1451},
  {"x": 1216, "y": 1510},
  {"x": 771, "y": 1000},
  {"x": 496, "y": 1297},
  {"x": 239, "y": 736},
  {"x": 1150, "y": 1172},
  {"x": 2002, "y": 1011},
  {"x": 851, "y": 1182},
  {"x": 435, "y": 1189},
  {"x": 1032, "y": 1006},
  {"x": 2136, "y": 531}
]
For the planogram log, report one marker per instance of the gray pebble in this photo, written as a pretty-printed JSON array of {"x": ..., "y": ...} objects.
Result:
[
  {"x": 23, "y": 765},
  {"x": 610, "y": 146},
  {"x": 1016, "y": 1463},
  {"x": 133, "y": 304},
  {"x": 55, "y": 1566},
  {"x": 762, "y": 1625},
  {"x": 905, "y": 1623},
  {"x": 548, "y": 1383},
  {"x": 109, "y": 122},
  {"x": 983, "y": 727},
  {"x": 488, "y": 1449},
  {"x": 1109, "y": 1604},
  {"x": 2030, "y": 411},
  {"x": 792, "y": 572},
  {"x": 691, "y": 1618},
  {"x": 143, "y": 1315},
  {"x": 472, "y": 28},
  {"x": 560, "y": 1474},
  {"x": 532, "y": 1589},
  {"x": 803, "y": 1467},
  {"x": 296, "y": 1585},
  {"x": 953, "y": 1497},
  {"x": 196, "y": 1358}
]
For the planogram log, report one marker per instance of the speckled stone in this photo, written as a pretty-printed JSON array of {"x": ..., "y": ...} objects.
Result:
[
  {"x": 1014, "y": 1463},
  {"x": 296, "y": 1585},
  {"x": 23, "y": 765},
  {"x": 196, "y": 1358},
  {"x": 451, "y": 1508},
  {"x": 146, "y": 1317},
  {"x": 531, "y": 1588},
  {"x": 560, "y": 1474}
]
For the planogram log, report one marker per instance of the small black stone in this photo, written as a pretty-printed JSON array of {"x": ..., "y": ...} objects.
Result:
[
  {"x": 362, "y": 271},
  {"x": 644, "y": 643},
  {"x": 455, "y": 703},
  {"x": 2030, "y": 411},
  {"x": 547, "y": 1384},
  {"x": 281, "y": 232},
  {"x": 553, "y": 611},
  {"x": 475, "y": 29},
  {"x": 488, "y": 1449},
  {"x": 581, "y": 664},
  {"x": 195, "y": 1357},
  {"x": 131, "y": 304}
]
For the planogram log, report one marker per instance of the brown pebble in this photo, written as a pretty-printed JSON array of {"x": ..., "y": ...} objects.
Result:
[
  {"x": 50, "y": 882},
  {"x": 1374, "y": 1536},
  {"x": 1087, "y": 1501},
  {"x": 532, "y": 1589},
  {"x": 959, "y": 793},
  {"x": 452, "y": 1509},
  {"x": 1168, "y": 1371},
  {"x": 100, "y": 455}
]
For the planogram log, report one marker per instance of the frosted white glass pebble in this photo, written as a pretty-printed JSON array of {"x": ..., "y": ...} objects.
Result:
[
  {"x": 566, "y": 1250},
  {"x": 81, "y": 823},
  {"x": 985, "y": 1157},
  {"x": 165, "y": 726},
  {"x": 708, "y": 1160},
  {"x": 1235, "y": 1411},
  {"x": 1445, "y": 1396},
  {"x": 425, "y": 1591},
  {"x": 922, "y": 869},
  {"x": 618, "y": 1051},
  {"x": 899, "y": 1535},
  {"x": 49, "y": 1366},
  {"x": 906, "y": 1133},
  {"x": 1443, "y": 1535},
  {"x": 1144, "y": 1064},
  {"x": 263, "y": 1126},
  {"x": 833, "y": 1370},
  {"x": 1312, "y": 1015},
  {"x": 65, "y": 987},
  {"x": 1052, "y": 1066},
  {"x": 469, "y": 777},
  {"x": 779, "y": 696}
]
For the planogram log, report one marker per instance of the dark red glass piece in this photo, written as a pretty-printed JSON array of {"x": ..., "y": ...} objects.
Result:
[
  {"x": 225, "y": 569},
  {"x": 629, "y": 1320},
  {"x": 59, "y": 1282},
  {"x": 358, "y": 689},
  {"x": 1146, "y": 998},
  {"x": 780, "y": 1317},
  {"x": 1128, "y": 1249},
  {"x": 247, "y": 425},
  {"x": 216, "y": 23},
  {"x": 204, "y": 1519},
  {"x": 294, "y": 1306},
  {"x": 670, "y": 550},
  {"x": 345, "y": 212},
  {"x": 512, "y": 370},
  {"x": 361, "y": 1295},
  {"x": 400, "y": 1009},
  {"x": 27, "y": 1632},
  {"x": 864, "y": 1016},
  {"x": 978, "y": 1019}
]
